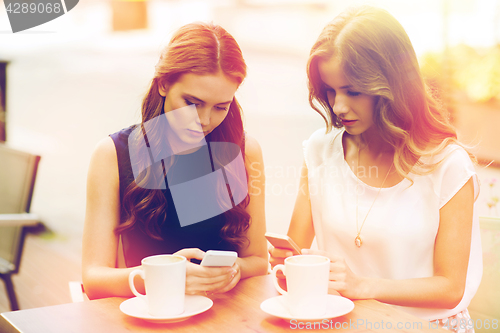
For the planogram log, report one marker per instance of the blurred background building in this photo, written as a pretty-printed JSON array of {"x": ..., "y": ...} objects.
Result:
[{"x": 73, "y": 81}]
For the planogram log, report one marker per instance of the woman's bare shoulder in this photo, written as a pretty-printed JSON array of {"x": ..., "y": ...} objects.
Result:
[
  {"x": 104, "y": 159},
  {"x": 253, "y": 151}
]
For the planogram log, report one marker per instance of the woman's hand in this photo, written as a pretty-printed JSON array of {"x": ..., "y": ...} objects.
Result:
[
  {"x": 342, "y": 280},
  {"x": 202, "y": 279},
  {"x": 277, "y": 257},
  {"x": 235, "y": 278}
]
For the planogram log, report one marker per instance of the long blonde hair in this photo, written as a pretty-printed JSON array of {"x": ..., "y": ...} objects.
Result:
[{"x": 378, "y": 59}]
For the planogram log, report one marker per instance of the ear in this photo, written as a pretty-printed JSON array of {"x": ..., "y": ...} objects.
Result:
[{"x": 162, "y": 90}]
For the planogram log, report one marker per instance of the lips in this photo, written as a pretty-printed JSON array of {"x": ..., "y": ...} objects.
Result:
[
  {"x": 347, "y": 122},
  {"x": 196, "y": 133}
]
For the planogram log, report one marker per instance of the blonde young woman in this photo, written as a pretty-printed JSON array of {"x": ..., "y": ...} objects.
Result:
[
  {"x": 391, "y": 192},
  {"x": 191, "y": 101}
]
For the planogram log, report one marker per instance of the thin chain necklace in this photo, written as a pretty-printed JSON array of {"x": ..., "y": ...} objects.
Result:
[{"x": 358, "y": 240}]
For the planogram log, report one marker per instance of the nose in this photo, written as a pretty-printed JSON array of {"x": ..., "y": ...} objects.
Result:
[
  {"x": 204, "y": 115},
  {"x": 340, "y": 106}
]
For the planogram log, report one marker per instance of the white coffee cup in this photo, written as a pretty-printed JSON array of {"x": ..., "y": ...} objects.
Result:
[
  {"x": 307, "y": 284},
  {"x": 165, "y": 281}
]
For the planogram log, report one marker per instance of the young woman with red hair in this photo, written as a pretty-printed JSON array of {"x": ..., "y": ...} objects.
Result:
[{"x": 189, "y": 109}]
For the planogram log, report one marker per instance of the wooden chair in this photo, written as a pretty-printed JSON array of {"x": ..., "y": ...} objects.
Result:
[{"x": 17, "y": 179}]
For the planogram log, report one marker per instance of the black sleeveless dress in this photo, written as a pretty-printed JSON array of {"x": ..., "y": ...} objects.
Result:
[{"x": 137, "y": 244}]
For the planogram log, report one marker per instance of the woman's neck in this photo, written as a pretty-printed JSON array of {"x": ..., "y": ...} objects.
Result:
[
  {"x": 370, "y": 158},
  {"x": 372, "y": 142}
]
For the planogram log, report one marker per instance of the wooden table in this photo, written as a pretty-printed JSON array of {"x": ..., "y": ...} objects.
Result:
[{"x": 235, "y": 311}]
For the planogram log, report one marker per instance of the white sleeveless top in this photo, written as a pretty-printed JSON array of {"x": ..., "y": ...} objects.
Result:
[{"x": 400, "y": 231}]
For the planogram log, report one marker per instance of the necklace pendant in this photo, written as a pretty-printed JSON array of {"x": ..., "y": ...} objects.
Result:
[{"x": 358, "y": 241}]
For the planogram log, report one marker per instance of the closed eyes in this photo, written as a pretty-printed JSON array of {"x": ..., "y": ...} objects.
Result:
[
  {"x": 219, "y": 108},
  {"x": 188, "y": 102},
  {"x": 351, "y": 93}
]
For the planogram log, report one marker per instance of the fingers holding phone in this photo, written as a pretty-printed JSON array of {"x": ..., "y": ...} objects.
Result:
[
  {"x": 235, "y": 278},
  {"x": 214, "y": 258},
  {"x": 278, "y": 255},
  {"x": 282, "y": 247},
  {"x": 223, "y": 259},
  {"x": 202, "y": 279},
  {"x": 283, "y": 242},
  {"x": 216, "y": 271}
]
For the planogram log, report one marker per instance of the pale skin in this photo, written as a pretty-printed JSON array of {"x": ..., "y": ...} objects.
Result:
[
  {"x": 452, "y": 246},
  {"x": 101, "y": 277}
]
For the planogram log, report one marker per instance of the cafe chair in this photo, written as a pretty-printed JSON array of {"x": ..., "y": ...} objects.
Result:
[
  {"x": 17, "y": 179},
  {"x": 77, "y": 292},
  {"x": 485, "y": 306}
]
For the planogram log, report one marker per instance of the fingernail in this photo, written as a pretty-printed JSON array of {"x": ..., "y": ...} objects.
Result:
[
  {"x": 289, "y": 254},
  {"x": 304, "y": 251}
]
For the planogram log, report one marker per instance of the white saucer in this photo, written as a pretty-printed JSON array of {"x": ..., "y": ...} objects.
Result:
[
  {"x": 193, "y": 305},
  {"x": 337, "y": 306}
]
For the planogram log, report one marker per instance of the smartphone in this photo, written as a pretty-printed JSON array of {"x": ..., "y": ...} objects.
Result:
[
  {"x": 219, "y": 258},
  {"x": 283, "y": 241}
]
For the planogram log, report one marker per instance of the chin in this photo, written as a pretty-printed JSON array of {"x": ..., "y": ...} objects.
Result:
[
  {"x": 192, "y": 140},
  {"x": 351, "y": 131},
  {"x": 355, "y": 131}
]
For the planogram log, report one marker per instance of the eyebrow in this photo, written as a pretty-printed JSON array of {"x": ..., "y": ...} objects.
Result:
[
  {"x": 202, "y": 101},
  {"x": 343, "y": 87}
]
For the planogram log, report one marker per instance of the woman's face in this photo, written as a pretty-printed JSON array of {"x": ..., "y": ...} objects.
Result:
[
  {"x": 210, "y": 94},
  {"x": 354, "y": 109}
]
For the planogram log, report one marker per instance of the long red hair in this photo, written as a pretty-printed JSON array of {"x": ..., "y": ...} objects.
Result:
[{"x": 201, "y": 49}]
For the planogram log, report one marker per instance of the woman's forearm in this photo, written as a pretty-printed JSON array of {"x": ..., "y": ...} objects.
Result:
[
  {"x": 100, "y": 282},
  {"x": 252, "y": 266},
  {"x": 430, "y": 292}
]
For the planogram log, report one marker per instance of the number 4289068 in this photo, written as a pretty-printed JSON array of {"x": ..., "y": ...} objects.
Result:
[{"x": 24, "y": 8}]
